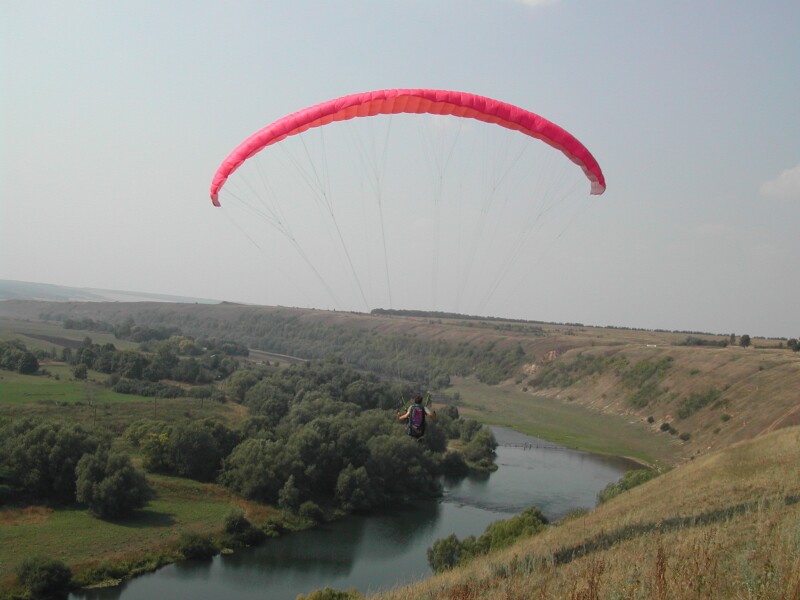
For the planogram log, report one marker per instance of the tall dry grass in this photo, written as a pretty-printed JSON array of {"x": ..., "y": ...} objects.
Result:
[{"x": 726, "y": 527}]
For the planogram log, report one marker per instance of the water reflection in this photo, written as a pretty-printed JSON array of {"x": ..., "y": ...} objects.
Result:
[{"x": 387, "y": 548}]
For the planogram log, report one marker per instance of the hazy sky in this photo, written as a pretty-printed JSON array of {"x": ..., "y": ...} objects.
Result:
[{"x": 114, "y": 117}]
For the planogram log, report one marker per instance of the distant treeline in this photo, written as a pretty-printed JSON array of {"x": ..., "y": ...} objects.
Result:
[
  {"x": 696, "y": 341},
  {"x": 395, "y": 355},
  {"x": 129, "y": 330}
]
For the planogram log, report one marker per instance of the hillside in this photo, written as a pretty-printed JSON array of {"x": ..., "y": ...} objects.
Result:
[
  {"x": 697, "y": 398},
  {"x": 728, "y": 528}
]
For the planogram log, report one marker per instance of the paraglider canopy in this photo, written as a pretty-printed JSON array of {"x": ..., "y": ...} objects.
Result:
[
  {"x": 417, "y": 101},
  {"x": 455, "y": 189}
]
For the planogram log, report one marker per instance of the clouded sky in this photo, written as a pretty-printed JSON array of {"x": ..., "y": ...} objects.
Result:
[{"x": 114, "y": 117}]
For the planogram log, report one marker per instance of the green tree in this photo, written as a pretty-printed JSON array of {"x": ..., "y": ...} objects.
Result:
[
  {"x": 27, "y": 363},
  {"x": 353, "y": 489},
  {"x": 109, "y": 484},
  {"x": 196, "y": 450},
  {"x": 744, "y": 341},
  {"x": 40, "y": 458},
  {"x": 444, "y": 554},
  {"x": 251, "y": 470},
  {"x": 236, "y": 385},
  {"x": 155, "y": 452},
  {"x": 80, "y": 372},
  {"x": 289, "y": 496}
]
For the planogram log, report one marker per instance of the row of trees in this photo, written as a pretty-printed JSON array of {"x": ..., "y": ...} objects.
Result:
[
  {"x": 164, "y": 362},
  {"x": 395, "y": 355}
]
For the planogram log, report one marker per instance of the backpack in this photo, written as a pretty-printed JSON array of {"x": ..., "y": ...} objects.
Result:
[{"x": 416, "y": 421}]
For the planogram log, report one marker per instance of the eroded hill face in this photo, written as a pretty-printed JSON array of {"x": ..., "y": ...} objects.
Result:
[{"x": 705, "y": 398}]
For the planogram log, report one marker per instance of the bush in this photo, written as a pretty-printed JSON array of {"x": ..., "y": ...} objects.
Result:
[
  {"x": 630, "y": 480},
  {"x": 449, "y": 552},
  {"x": 311, "y": 511},
  {"x": 329, "y": 593},
  {"x": 454, "y": 465},
  {"x": 696, "y": 401},
  {"x": 44, "y": 577},
  {"x": 239, "y": 530},
  {"x": 196, "y": 545}
]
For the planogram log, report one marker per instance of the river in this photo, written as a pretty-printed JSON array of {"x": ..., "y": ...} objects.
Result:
[{"x": 385, "y": 549}]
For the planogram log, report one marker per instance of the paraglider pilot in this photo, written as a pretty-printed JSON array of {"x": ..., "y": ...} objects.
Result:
[{"x": 416, "y": 416}]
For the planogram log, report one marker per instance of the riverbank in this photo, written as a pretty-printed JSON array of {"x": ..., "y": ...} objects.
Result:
[
  {"x": 567, "y": 424},
  {"x": 387, "y": 546}
]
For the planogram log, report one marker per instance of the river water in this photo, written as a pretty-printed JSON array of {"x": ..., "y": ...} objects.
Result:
[{"x": 382, "y": 550}]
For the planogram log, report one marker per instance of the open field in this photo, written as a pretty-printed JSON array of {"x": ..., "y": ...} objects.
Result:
[
  {"x": 91, "y": 403},
  {"x": 50, "y": 337},
  {"x": 84, "y": 542}
]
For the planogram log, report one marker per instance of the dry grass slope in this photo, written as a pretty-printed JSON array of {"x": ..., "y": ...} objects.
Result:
[{"x": 726, "y": 525}]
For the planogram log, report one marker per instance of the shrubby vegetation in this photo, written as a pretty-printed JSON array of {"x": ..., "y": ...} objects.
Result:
[
  {"x": 629, "y": 480},
  {"x": 197, "y": 546},
  {"x": 44, "y": 577},
  {"x": 644, "y": 378},
  {"x": 329, "y": 593},
  {"x": 697, "y": 401},
  {"x": 565, "y": 373},
  {"x": 239, "y": 531},
  {"x": 449, "y": 552}
]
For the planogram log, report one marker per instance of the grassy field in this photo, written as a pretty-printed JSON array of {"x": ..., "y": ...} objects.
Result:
[
  {"x": 38, "y": 335},
  {"x": 90, "y": 545},
  {"x": 91, "y": 403},
  {"x": 565, "y": 423},
  {"x": 85, "y": 542}
]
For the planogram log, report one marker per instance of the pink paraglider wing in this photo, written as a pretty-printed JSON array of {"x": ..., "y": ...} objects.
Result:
[{"x": 436, "y": 102}]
